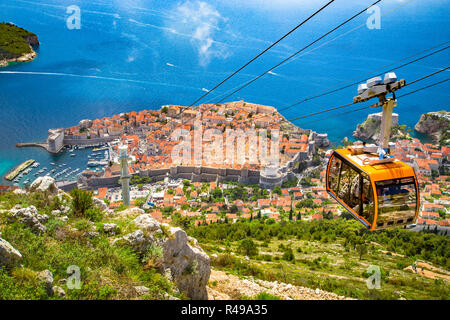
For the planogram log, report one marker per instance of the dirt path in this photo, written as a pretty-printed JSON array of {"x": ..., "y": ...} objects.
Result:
[
  {"x": 429, "y": 271},
  {"x": 230, "y": 287}
]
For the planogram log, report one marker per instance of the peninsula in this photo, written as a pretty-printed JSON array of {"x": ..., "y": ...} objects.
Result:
[
  {"x": 151, "y": 136},
  {"x": 16, "y": 44}
]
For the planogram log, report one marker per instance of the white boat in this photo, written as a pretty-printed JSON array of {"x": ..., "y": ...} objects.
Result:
[{"x": 92, "y": 163}]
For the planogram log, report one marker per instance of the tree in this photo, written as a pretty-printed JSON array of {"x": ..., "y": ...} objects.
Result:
[
  {"x": 288, "y": 254},
  {"x": 139, "y": 202},
  {"x": 217, "y": 193},
  {"x": 434, "y": 173},
  {"x": 277, "y": 190},
  {"x": 316, "y": 160},
  {"x": 328, "y": 215},
  {"x": 248, "y": 248},
  {"x": 362, "y": 249},
  {"x": 233, "y": 208},
  {"x": 291, "y": 212},
  {"x": 258, "y": 215},
  {"x": 186, "y": 183},
  {"x": 302, "y": 165}
]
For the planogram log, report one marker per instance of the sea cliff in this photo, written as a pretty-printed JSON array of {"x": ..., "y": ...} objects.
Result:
[
  {"x": 436, "y": 125},
  {"x": 369, "y": 130}
]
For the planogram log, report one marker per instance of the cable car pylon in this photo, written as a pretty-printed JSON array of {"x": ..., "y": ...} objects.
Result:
[{"x": 377, "y": 189}]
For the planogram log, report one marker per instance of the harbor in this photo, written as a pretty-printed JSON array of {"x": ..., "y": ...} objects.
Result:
[{"x": 67, "y": 165}]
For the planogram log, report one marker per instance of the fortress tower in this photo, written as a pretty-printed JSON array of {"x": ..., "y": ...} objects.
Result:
[{"x": 124, "y": 174}]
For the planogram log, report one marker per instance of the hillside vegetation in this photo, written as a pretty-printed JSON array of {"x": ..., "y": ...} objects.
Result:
[
  {"x": 332, "y": 255},
  {"x": 71, "y": 230}
]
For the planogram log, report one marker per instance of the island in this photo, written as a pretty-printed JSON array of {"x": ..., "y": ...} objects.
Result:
[{"x": 16, "y": 44}]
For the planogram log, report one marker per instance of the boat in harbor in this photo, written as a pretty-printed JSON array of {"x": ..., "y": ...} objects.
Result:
[
  {"x": 92, "y": 163},
  {"x": 72, "y": 154}
]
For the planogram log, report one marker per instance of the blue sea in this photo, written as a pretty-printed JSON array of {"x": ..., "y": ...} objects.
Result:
[{"x": 141, "y": 54}]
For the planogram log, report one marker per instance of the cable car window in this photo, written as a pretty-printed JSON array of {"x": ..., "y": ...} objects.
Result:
[
  {"x": 367, "y": 200},
  {"x": 349, "y": 187},
  {"x": 396, "y": 199},
  {"x": 335, "y": 168}
]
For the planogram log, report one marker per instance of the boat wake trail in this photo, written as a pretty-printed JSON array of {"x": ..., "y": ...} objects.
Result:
[{"x": 57, "y": 74}]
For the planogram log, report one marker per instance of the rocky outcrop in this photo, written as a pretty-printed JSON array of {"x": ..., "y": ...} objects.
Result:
[
  {"x": 30, "y": 218},
  {"x": 46, "y": 277},
  {"x": 32, "y": 40},
  {"x": 188, "y": 263},
  {"x": 183, "y": 261},
  {"x": 436, "y": 125},
  {"x": 370, "y": 129},
  {"x": 45, "y": 183},
  {"x": 9, "y": 256},
  {"x": 110, "y": 228},
  {"x": 147, "y": 223},
  {"x": 100, "y": 204}
]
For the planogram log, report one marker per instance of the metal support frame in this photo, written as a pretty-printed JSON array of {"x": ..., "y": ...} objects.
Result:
[{"x": 386, "y": 123}]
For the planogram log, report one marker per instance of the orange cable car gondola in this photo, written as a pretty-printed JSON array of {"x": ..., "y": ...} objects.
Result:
[
  {"x": 378, "y": 190},
  {"x": 379, "y": 195}
]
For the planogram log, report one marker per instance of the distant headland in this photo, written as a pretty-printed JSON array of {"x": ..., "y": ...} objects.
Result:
[{"x": 16, "y": 44}]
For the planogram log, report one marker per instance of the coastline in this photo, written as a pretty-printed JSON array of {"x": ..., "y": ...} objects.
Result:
[{"x": 27, "y": 57}]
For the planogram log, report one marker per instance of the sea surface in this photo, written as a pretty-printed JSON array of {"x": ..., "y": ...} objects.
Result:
[{"x": 137, "y": 54}]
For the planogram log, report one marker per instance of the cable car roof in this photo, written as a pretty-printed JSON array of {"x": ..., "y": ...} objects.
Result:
[{"x": 378, "y": 172}]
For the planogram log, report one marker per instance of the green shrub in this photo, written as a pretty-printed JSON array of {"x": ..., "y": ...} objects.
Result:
[
  {"x": 153, "y": 257},
  {"x": 20, "y": 285},
  {"x": 288, "y": 255},
  {"x": 248, "y": 247},
  {"x": 81, "y": 202},
  {"x": 94, "y": 214}
]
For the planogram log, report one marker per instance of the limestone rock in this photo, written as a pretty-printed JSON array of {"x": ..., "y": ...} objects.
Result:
[
  {"x": 19, "y": 191},
  {"x": 183, "y": 262},
  {"x": 47, "y": 278},
  {"x": 110, "y": 228},
  {"x": 146, "y": 223},
  {"x": 9, "y": 256},
  {"x": 30, "y": 217},
  {"x": 131, "y": 212},
  {"x": 137, "y": 240},
  {"x": 58, "y": 291},
  {"x": 100, "y": 203},
  {"x": 44, "y": 183},
  {"x": 189, "y": 265},
  {"x": 141, "y": 290}
]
